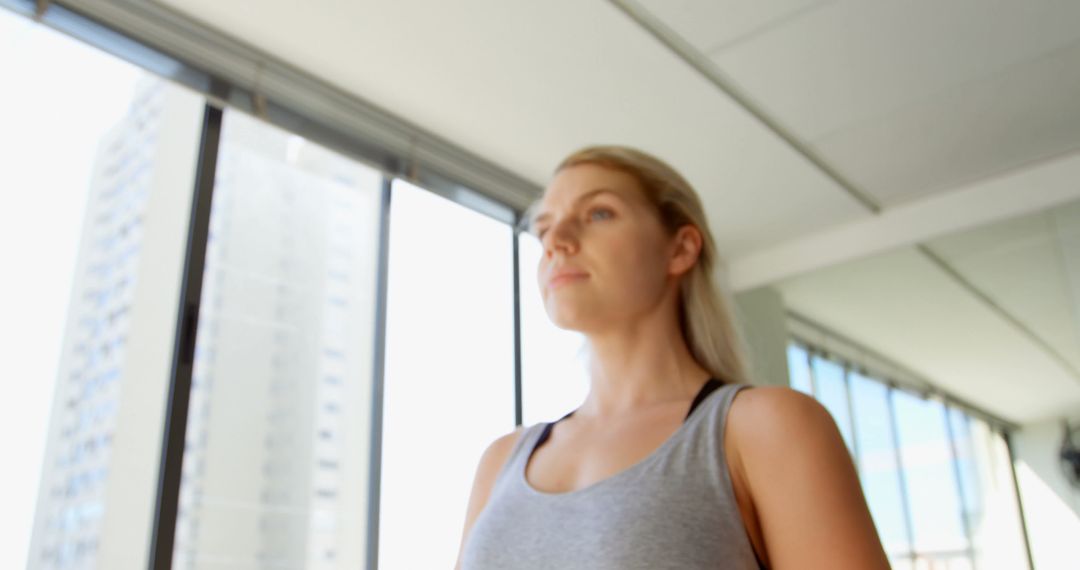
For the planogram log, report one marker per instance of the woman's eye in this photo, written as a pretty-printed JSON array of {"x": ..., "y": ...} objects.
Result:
[
  {"x": 602, "y": 210},
  {"x": 605, "y": 211}
]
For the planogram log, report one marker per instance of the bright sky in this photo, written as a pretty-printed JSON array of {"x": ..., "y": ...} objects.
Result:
[{"x": 59, "y": 97}]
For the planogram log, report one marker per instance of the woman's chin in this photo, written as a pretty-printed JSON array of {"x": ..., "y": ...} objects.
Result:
[{"x": 571, "y": 318}]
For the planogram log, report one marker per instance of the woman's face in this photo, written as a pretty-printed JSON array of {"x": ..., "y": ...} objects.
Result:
[{"x": 597, "y": 228}]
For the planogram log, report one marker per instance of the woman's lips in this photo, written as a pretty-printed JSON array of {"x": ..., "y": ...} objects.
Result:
[{"x": 564, "y": 279}]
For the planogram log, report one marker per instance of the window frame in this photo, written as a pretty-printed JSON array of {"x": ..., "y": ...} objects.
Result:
[
  {"x": 187, "y": 52},
  {"x": 949, "y": 406}
]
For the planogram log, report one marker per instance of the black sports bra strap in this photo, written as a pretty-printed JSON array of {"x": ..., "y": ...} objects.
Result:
[
  {"x": 710, "y": 385},
  {"x": 707, "y": 389}
]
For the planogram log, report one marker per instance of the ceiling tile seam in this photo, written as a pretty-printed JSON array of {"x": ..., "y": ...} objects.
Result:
[
  {"x": 709, "y": 70},
  {"x": 689, "y": 54},
  {"x": 724, "y": 45},
  {"x": 937, "y": 93},
  {"x": 1002, "y": 172},
  {"x": 1031, "y": 335}
]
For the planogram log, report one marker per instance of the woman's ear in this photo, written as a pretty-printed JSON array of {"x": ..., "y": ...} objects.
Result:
[{"x": 686, "y": 249}]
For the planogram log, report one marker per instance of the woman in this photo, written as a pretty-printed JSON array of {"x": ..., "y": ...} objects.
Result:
[{"x": 670, "y": 461}]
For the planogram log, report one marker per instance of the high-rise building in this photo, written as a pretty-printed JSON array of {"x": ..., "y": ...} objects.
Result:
[
  {"x": 276, "y": 458},
  {"x": 100, "y": 467},
  {"x": 276, "y": 461}
]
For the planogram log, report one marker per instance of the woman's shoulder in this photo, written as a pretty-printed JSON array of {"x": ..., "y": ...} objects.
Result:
[
  {"x": 493, "y": 459},
  {"x": 776, "y": 404},
  {"x": 500, "y": 447},
  {"x": 769, "y": 419},
  {"x": 801, "y": 480}
]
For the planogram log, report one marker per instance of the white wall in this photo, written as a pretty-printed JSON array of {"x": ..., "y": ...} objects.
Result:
[
  {"x": 1051, "y": 505},
  {"x": 763, "y": 323}
]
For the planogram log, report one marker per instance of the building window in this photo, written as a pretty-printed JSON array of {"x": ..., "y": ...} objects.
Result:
[
  {"x": 931, "y": 473},
  {"x": 98, "y": 161},
  {"x": 290, "y": 351}
]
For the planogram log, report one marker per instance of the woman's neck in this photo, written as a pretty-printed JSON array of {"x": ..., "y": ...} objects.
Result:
[{"x": 639, "y": 367}]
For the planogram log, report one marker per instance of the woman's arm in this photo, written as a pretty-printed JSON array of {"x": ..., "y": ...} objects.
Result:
[{"x": 802, "y": 484}]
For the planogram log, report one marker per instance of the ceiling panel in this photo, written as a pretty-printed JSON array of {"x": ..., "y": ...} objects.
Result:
[
  {"x": 850, "y": 61},
  {"x": 713, "y": 25},
  {"x": 998, "y": 123},
  {"x": 1021, "y": 265},
  {"x": 905, "y": 307},
  {"x": 523, "y": 84}
]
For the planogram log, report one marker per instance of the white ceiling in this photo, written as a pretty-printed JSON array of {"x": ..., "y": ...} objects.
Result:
[
  {"x": 940, "y": 112},
  {"x": 1031, "y": 266},
  {"x": 904, "y": 306},
  {"x": 525, "y": 83},
  {"x": 905, "y": 98}
]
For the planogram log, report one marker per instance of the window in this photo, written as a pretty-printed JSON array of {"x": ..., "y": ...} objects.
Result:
[
  {"x": 799, "y": 368},
  {"x": 553, "y": 369},
  {"x": 98, "y": 159},
  {"x": 930, "y": 481},
  {"x": 449, "y": 381},
  {"x": 279, "y": 418},
  {"x": 991, "y": 504},
  {"x": 276, "y": 456},
  {"x": 830, "y": 388},
  {"x": 878, "y": 462},
  {"x": 937, "y": 480}
]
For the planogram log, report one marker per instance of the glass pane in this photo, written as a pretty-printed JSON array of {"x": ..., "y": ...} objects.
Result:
[
  {"x": 276, "y": 465},
  {"x": 554, "y": 374},
  {"x": 832, "y": 393},
  {"x": 799, "y": 369},
  {"x": 878, "y": 467},
  {"x": 997, "y": 533},
  {"x": 931, "y": 480},
  {"x": 449, "y": 371},
  {"x": 98, "y": 170},
  {"x": 965, "y": 465}
]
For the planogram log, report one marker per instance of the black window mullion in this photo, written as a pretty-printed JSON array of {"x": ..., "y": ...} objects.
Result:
[
  {"x": 378, "y": 377},
  {"x": 518, "y": 415},
  {"x": 166, "y": 506},
  {"x": 1019, "y": 501}
]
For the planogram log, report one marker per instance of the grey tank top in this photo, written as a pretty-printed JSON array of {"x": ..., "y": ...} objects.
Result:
[{"x": 673, "y": 509}]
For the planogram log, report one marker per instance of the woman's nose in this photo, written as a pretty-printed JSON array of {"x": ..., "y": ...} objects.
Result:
[{"x": 561, "y": 235}]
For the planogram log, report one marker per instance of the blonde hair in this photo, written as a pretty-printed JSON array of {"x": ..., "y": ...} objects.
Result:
[{"x": 706, "y": 315}]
